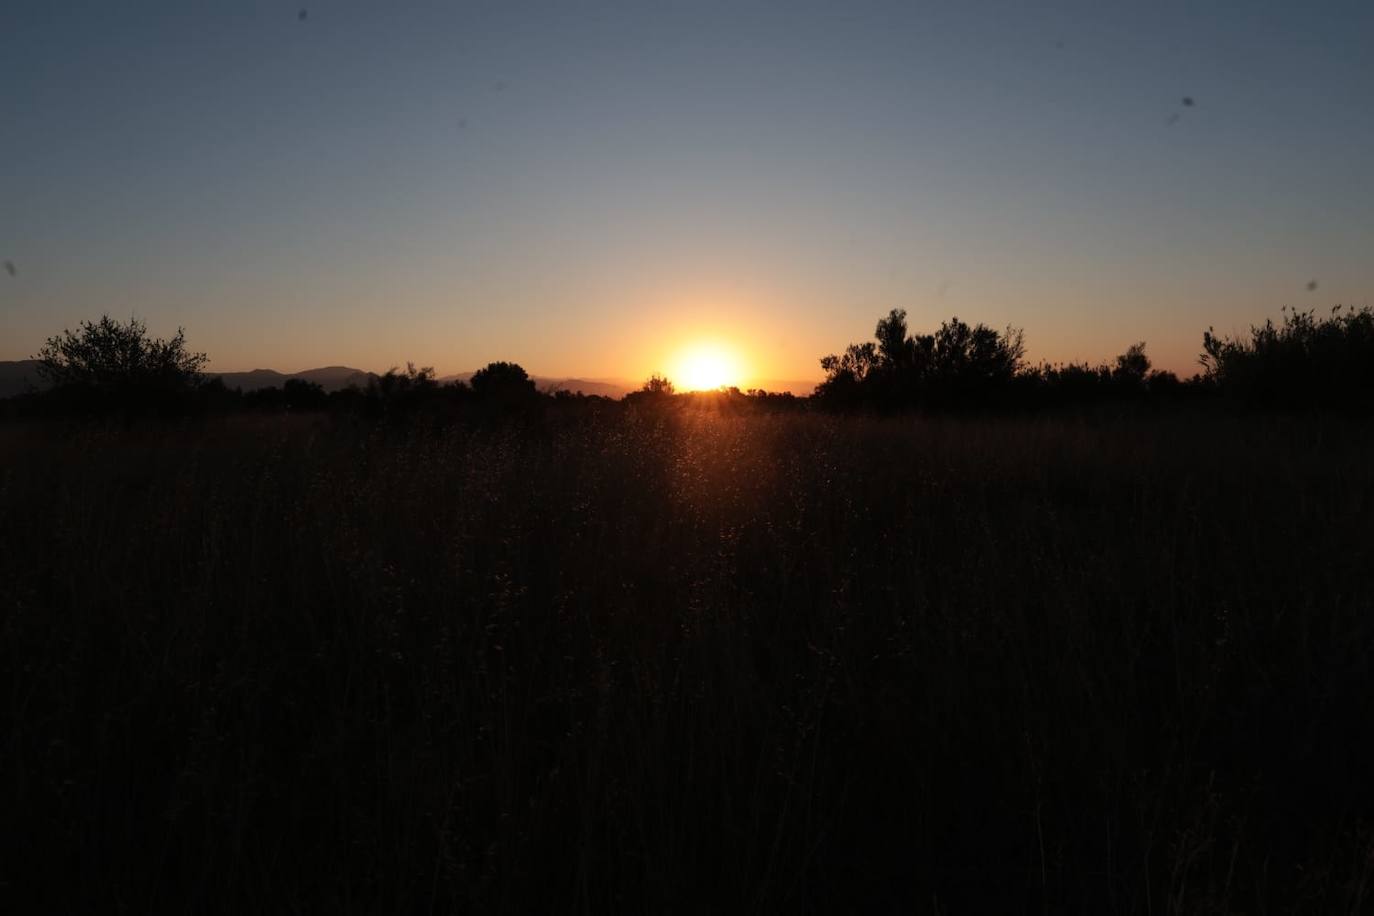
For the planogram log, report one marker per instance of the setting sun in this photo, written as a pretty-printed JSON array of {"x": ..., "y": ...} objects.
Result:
[{"x": 704, "y": 367}]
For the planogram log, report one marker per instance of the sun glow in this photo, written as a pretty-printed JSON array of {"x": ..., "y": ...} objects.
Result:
[{"x": 705, "y": 366}]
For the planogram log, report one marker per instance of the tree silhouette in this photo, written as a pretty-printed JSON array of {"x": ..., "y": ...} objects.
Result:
[
  {"x": 108, "y": 362},
  {"x": 396, "y": 394},
  {"x": 975, "y": 359},
  {"x": 505, "y": 383},
  {"x": 958, "y": 362},
  {"x": 847, "y": 379},
  {"x": 395, "y": 384},
  {"x": 1132, "y": 366},
  {"x": 107, "y": 352},
  {"x": 659, "y": 385},
  {"x": 896, "y": 351},
  {"x": 657, "y": 389}
]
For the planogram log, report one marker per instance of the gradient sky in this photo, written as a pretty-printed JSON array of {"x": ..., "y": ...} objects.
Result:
[{"x": 586, "y": 188}]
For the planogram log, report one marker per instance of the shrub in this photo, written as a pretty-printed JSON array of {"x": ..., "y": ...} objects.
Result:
[
  {"x": 1304, "y": 361},
  {"x": 106, "y": 364}
]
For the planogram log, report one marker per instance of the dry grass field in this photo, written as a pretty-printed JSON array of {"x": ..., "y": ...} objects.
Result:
[{"x": 682, "y": 661}]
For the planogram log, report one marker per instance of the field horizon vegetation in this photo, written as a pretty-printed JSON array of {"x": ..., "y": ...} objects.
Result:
[
  {"x": 954, "y": 635},
  {"x": 1305, "y": 362}
]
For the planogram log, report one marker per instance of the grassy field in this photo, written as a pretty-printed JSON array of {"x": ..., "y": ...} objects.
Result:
[{"x": 686, "y": 662}]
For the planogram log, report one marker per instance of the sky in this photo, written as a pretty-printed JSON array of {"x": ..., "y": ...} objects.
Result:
[{"x": 590, "y": 189}]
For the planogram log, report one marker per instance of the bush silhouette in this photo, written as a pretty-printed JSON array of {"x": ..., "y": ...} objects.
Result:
[
  {"x": 1132, "y": 366},
  {"x": 656, "y": 389},
  {"x": 958, "y": 364},
  {"x": 394, "y": 384},
  {"x": 396, "y": 394},
  {"x": 505, "y": 383},
  {"x": 974, "y": 366},
  {"x": 1304, "y": 361},
  {"x": 294, "y": 394},
  {"x": 657, "y": 384},
  {"x": 111, "y": 364}
]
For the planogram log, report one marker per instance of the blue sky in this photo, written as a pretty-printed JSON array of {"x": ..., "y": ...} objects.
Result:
[{"x": 587, "y": 188}]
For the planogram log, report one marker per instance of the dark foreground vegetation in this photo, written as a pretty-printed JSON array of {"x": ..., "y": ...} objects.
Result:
[
  {"x": 956, "y": 635},
  {"x": 683, "y": 660}
]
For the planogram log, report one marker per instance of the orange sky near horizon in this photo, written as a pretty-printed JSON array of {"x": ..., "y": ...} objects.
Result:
[{"x": 767, "y": 335}]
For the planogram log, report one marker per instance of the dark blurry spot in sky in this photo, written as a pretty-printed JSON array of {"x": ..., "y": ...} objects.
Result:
[
  {"x": 11, "y": 269},
  {"x": 499, "y": 86},
  {"x": 1311, "y": 285},
  {"x": 303, "y": 15},
  {"x": 942, "y": 289},
  {"x": 462, "y": 122},
  {"x": 1173, "y": 118}
]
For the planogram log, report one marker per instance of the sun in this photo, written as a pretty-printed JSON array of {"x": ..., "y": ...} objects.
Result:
[{"x": 704, "y": 367}]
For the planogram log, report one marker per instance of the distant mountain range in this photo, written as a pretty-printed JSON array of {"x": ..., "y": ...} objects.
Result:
[
  {"x": 17, "y": 376},
  {"x": 330, "y": 378}
]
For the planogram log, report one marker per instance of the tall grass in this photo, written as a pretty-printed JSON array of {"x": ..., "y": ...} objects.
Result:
[{"x": 680, "y": 661}]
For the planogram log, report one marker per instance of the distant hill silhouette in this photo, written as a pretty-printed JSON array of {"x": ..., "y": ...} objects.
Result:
[
  {"x": 17, "y": 376},
  {"x": 330, "y": 378}
]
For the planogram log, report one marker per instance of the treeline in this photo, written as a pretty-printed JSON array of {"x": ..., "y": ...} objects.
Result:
[
  {"x": 108, "y": 366},
  {"x": 1304, "y": 362}
]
